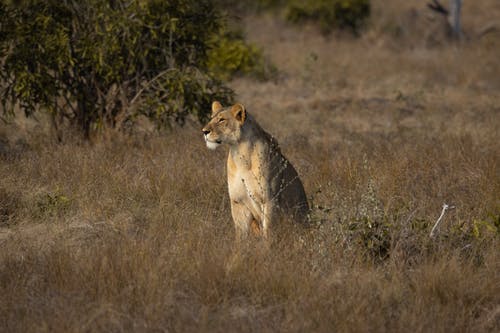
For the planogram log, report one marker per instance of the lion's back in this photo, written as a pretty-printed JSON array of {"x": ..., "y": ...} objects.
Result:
[{"x": 292, "y": 198}]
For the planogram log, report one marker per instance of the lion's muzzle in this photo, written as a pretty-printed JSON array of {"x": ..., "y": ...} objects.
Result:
[{"x": 211, "y": 144}]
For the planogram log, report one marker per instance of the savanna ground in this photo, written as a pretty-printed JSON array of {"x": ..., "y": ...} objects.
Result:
[{"x": 135, "y": 233}]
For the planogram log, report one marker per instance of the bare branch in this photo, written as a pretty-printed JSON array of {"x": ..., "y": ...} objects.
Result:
[
  {"x": 436, "y": 6},
  {"x": 148, "y": 84}
]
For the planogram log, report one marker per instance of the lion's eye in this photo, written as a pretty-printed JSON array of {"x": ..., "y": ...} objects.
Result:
[{"x": 221, "y": 120}]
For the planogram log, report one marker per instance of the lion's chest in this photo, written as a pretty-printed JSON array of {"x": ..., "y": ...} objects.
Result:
[
  {"x": 237, "y": 185},
  {"x": 245, "y": 183}
]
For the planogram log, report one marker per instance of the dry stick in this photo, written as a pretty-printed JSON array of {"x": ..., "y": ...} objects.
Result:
[{"x": 445, "y": 207}]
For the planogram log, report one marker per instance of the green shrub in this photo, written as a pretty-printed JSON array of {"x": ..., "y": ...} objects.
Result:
[
  {"x": 242, "y": 6},
  {"x": 488, "y": 226},
  {"x": 329, "y": 14},
  {"x": 180, "y": 93},
  {"x": 230, "y": 56},
  {"x": 94, "y": 62},
  {"x": 52, "y": 204}
]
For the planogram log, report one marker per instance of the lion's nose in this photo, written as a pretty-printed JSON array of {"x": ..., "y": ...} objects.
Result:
[{"x": 205, "y": 131}]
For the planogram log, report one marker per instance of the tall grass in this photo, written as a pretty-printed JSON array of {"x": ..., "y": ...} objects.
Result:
[{"x": 136, "y": 235}]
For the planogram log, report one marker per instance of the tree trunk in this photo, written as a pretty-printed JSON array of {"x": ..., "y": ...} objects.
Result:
[
  {"x": 454, "y": 18},
  {"x": 84, "y": 120},
  {"x": 451, "y": 16}
]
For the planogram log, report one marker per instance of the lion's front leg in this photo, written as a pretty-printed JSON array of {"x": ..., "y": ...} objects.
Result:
[
  {"x": 242, "y": 218},
  {"x": 268, "y": 219}
]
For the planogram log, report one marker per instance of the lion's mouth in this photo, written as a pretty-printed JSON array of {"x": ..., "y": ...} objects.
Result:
[
  {"x": 218, "y": 141},
  {"x": 213, "y": 141},
  {"x": 212, "y": 144}
]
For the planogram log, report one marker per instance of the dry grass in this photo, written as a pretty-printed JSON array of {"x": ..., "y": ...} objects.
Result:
[{"x": 135, "y": 234}]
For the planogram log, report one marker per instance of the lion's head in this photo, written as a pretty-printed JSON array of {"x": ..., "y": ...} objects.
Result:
[{"x": 225, "y": 125}]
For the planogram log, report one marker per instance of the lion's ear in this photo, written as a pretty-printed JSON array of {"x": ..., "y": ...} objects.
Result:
[
  {"x": 238, "y": 111},
  {"x": 216, "y": 107}
]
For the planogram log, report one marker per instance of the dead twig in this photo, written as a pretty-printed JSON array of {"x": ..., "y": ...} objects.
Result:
[{"x": 434, "y": 228}]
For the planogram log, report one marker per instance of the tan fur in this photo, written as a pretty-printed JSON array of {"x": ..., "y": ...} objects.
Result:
[{"x": 264, "y": 187}]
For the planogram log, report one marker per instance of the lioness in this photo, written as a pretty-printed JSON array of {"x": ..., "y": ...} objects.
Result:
[{"x": 264, "y": 187}]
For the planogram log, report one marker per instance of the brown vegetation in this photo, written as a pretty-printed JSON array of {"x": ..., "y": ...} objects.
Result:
[{"x": 135, "y": 233}]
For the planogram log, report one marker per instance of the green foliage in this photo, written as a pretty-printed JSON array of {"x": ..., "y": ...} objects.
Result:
[
  {"x": 93, "y": 62},
  {"x": 242, "y": 6},
  {"x": 178, "y": 93},
  {"x": 230, "y": 55},
  {"x": 370, "y": 227},
  {"x": 329, "y": 14},
  {"x": 359, "y": 220},
  {"x": 269, "y": 3},
  {"x": 488, "y": 226},
  {"x": 52, "y": 204}
]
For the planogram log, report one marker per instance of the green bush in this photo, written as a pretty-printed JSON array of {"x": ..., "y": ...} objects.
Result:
[
  {"x": 52, "y": 204},
  {"x": 329, "y": 14},
  {"x": 179, "y": 93},
  {"x": 242, "y": 6},
  {"x": 94, "y": 63},
  {"x": 231, "y": 56}
]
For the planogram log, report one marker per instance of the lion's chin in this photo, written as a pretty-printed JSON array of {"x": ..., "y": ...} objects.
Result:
[{"x": 212, "y": 145}]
